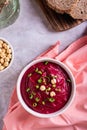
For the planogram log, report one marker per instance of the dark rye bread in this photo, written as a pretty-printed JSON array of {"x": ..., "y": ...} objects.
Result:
[
  {"x": 61, "y": 6},
  {"x": 57, "y": 21},
  {"x": 79, "y": 11}
]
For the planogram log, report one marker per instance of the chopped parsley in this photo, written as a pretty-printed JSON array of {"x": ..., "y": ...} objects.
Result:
[
  {"x": 28, "y": 89},
  {"x": 37, "y": 99},
  {"x": 51, "y": 99},
  {"x": 36, "y": 70},
  {"x": 34, "y": 104},
  {"x": 43, "y": 102},
  {"x": 68, "y": 80},
  {"x": 29, "y": 75},
  {"x": 37, "y": 86},
  {"x": 46, "y": 62},
  {"x": 40, "y": 80},
  {"x": 31, "y": 96}
]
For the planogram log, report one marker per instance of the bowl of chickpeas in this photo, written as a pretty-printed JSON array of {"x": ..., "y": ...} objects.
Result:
[{"x": 6, "y": 54}]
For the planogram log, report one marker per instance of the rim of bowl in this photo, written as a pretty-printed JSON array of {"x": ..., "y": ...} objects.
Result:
[
  {"x": 30, "y": 110},
  {"x": 3, "y": 39}
]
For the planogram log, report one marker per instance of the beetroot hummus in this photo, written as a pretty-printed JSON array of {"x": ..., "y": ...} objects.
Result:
[{"x": 45, "y": 87}]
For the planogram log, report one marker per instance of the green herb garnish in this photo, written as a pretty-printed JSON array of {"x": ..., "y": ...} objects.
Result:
[
  {"x": 29, "y": 75},
  {"x": 51, "y": 99},
  {"x": 31, "y": 96},
  {"x": 34, "y": 104},
  {"x": 54, "y": 85},
  {"x": 37, "y": 86},
  {"x": 36, "y": 70},
  {"x": 43, "y": 102},
  {"x": 37, "y": 99},
  {"x": 28, "y": 89},
  {"x": 40, "y": 80},
  {"x": 54, "y": 76},
  {"x": 39, "y": 72},
  {"x": 68, "y": 80},
  {"x": 46, "y": 62},
  {"x": 48, "y": 89}
]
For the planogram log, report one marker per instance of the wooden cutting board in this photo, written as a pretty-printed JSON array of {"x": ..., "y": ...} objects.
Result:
[{"x": 58, "y": 21}]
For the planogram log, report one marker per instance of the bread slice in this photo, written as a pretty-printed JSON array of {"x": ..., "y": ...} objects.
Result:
[
  {"x": 61, "y": 6},
  {"x": 79, "y": 11}
]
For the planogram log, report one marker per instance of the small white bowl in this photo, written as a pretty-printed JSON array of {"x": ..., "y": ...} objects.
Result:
[
  {"x": 12, "y": 53},
  {"x": 37, "y": 114}
]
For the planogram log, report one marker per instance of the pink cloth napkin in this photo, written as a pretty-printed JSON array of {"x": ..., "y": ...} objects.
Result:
[{"x": 75, "y": 117}]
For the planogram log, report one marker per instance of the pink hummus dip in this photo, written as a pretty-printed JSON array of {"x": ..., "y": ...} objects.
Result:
[{"x": 45, "y": 87}]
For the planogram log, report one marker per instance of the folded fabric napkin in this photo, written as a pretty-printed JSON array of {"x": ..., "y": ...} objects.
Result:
[{"x": 75, "y": 117}]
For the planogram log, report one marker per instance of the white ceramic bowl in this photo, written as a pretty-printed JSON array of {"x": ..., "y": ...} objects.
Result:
[
  {"x": 29, "y": 110},
  {"x": 12, "y": 53}
]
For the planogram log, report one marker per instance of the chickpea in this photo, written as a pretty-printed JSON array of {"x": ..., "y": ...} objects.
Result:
[
  {"x": 52, "y": 93},
  {"x": 0, "y": 45},
  {"x": 1, "y": 67},
  {"x": 0, "y": 50},
  {"x": 42, "y": 87},
  {"x": 53, "y": 81},
  {"x": 7, "y": 59},
  {"x": 6, "y": 64},
  {"x": 7, "y": 47},
  {"x": 2, "y": 55},
  {"x": 54, "y": 85},
  {"x": 3, "y": 50},
  {"x": 1, "y": 60},
  {"x": 9, "y": 56},
  {"x": 1, "y": 42},
  {"x": 4, "y": 45},
  {"x": 9, "y": 50}
]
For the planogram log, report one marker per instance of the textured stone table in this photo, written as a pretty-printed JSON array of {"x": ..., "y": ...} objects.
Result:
[{"x": 30, "y": 35}]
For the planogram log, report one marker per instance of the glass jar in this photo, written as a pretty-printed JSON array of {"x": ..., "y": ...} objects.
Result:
[{"x": 9, "y": 10}]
